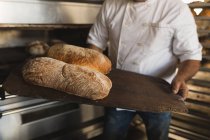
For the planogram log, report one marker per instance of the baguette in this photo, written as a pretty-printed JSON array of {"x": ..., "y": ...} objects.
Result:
[
  {"x": 37, "y": 48},
  {"x": 72, "y": 79},
  {"x": 80, "y": 56}
]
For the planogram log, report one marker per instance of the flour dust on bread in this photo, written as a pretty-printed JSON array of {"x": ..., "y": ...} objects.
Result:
[
  {"x": 80, "y": 56},
  {"x": 72, "y": 79}
]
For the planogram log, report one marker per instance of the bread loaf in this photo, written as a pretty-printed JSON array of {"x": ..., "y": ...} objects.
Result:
[
  {"x": 37, "y": 48},
  {"x": 80, "y": 56},
  {"x": 72, "y": 79}
]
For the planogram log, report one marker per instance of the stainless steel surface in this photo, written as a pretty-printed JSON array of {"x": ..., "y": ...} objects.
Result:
[
  {"x": 31, "y": 118},
  {"x": 36, "y": 120},
  {"x": 47, "y": 12},
  {"x": 18, "y": 109}
]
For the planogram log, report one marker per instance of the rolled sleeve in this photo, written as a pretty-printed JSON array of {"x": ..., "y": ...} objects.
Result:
[
  {"x": 98, "y": 34},
  {"x": 97, "y": 41},
  {"x": 186, "y": 45}
]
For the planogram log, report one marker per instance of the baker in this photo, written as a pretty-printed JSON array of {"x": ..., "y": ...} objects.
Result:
[{"x": 151, "y": 37}]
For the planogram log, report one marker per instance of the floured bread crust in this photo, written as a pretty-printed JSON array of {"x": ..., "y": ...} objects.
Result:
[
  {"x": 72, "y": 79},
  {"x": 80, "y": 56}
]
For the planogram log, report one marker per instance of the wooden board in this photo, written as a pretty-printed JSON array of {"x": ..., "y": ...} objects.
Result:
[{"x": 129, "y": 91}]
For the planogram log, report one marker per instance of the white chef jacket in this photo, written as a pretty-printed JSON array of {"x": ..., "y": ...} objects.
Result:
[{"x": 147, "y": 37}]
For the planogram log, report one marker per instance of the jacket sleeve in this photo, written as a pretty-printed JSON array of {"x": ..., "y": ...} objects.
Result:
[
  {"x": 98, "y": 34},
  {"x": 186, "y": 45}
]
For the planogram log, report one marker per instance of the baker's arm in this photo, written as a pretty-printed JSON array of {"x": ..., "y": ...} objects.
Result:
[
  {"x": 187, "y": 69},
  {"x": 186, "y": 48},
  {"x": 98, "y": 34}
]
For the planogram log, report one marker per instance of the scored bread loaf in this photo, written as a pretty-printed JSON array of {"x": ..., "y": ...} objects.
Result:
[
  {"x": 80, "y": 56},
  {"x": 72, "y": 79}
]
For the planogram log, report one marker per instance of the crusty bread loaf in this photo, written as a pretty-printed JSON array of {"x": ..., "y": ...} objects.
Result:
[
  {"x": 72, "y": 79},
  {"x": 37, "y": 48},
  {"x": 80, "y": 56}
]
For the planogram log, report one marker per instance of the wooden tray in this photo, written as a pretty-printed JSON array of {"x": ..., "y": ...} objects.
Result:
[{"x": 130, "y": 91}]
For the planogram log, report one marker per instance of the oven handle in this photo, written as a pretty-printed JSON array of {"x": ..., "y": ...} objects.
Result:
[{"x": 13, "y": 111}]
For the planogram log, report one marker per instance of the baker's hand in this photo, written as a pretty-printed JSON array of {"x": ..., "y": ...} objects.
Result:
[{"x": 179, "y": 87}]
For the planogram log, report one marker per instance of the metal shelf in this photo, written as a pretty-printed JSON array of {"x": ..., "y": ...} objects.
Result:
[
  {"x": 206, "y": 45},
  {"x": 203, "y": 33},
  {"x": 199, "y": 5},
  {"x": 206, "y": 57},
  {"x": 44, "y": 26},
  {"x": 202, "y": 18},
  {"x": 205, "y": 69}
]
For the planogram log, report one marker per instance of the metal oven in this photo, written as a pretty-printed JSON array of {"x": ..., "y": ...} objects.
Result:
[{"x": 23, "y": 118}]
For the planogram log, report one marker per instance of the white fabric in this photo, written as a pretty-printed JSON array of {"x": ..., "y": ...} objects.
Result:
[{"x": 147, "y": 37}]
